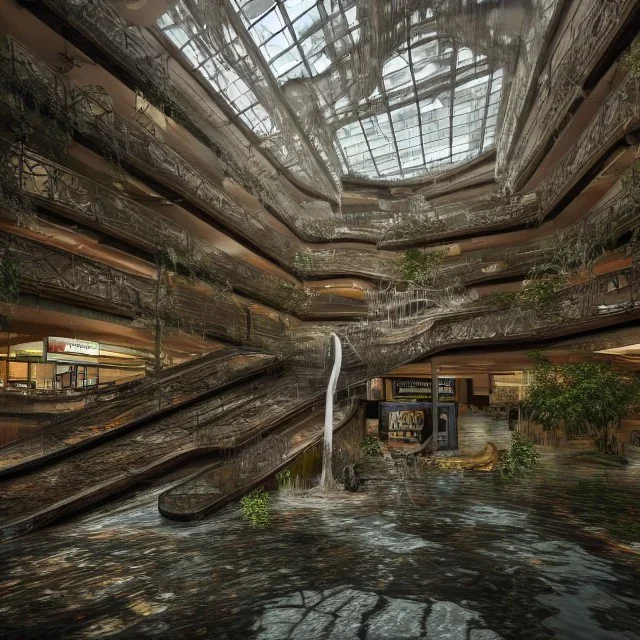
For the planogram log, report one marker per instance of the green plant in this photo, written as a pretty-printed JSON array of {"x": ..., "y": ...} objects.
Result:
[
  {"x": 631, "y": 59},
  {"x": 585, "y": 396},
  {"x": 631, "y": 180},
  {"x": 283, "y": 477},
  {"x": 8, "y": 280},
  {"x": 371, "y": 447},
  {"x": 519, "y": 459},
  {"x": 411, "y": 227},
  {"x": 303, "y": 262},
  {"x": 500, "y": 299},
  {"x": 294, "y": 298},
  {"x": 540, "y": 292},
  {"x": 255, "y": 507},
  {"x": 419, "y": 268},
  {"x": 626, "y": 530}
]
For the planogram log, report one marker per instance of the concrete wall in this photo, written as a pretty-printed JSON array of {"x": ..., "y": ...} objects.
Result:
[{"x": 476, "y": 430}]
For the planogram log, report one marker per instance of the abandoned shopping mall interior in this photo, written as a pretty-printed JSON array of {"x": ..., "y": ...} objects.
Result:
[{"x": 320, "y": 319}]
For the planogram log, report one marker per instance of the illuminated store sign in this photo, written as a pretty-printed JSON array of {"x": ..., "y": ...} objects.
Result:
[
  {"x": 421, "y": 388},
  {"x": 72, "y": 347}
]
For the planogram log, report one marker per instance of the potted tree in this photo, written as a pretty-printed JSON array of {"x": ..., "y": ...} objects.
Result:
[{"x": 585, "y": 396}]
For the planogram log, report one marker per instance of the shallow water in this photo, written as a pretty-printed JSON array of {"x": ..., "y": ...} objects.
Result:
[{"x": 418, "y": 554}]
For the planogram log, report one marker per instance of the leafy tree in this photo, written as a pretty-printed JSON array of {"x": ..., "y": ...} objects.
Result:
[
  {"x": 587, "y": 395},
  {"x": 419, "y": 268}
]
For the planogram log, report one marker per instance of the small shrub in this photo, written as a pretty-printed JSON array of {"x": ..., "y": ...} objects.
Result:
[
  {"x": 519, "y": 459},
  {"x": 294, "y": 298},
  {"x": 255, "y": 507},
  {"x": 371, "y": 447},
  {"x": 626, "y": 530},
  {"x": 541, "y": 292},
  {"x": 419, "y": 268},
  {"x": 500, "y": 299},
  {"x": 303, "y": 262},
  {"x": 631, "y": 59},
  {"x": 283, "y": 477}
]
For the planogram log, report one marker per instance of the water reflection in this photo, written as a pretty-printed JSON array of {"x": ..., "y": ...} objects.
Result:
[{"x": 449, "y": 555}]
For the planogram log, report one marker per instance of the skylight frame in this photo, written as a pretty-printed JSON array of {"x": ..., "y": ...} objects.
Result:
[{"x": 398, "y": 147}]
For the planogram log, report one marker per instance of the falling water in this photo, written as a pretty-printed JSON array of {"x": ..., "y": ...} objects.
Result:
[{"x": 326, "y": 481}]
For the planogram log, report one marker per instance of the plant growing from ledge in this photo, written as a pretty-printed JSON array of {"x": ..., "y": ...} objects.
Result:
[
  {"x": 585, "y": 397},
  {"x": 631, "y": 59},
  {"x": 519, "y": 459},
  {"x": 303, "y": 262},
  {"x": 411, "y": 227},
  {"x": 500, "y": 299},
  {"x": 293, "y": 298},
  {"x": 255, "y": 507},
  {"x": 419, "y": 268},
  {"x": 540, "y": 292},
  {"x": 371, "y": 447},
  {"x": 12, "y": 198},
  {"x": 631, "y": 180}
]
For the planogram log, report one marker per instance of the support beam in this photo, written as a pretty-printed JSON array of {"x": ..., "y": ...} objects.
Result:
[
  {"x": 434, "y": 403},
  {"x": 256, "y": 56}
]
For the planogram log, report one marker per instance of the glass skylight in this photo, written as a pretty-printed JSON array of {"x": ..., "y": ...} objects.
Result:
[
  {"x": 435, "y": 104},
  {"x": 180, "y": 27}
]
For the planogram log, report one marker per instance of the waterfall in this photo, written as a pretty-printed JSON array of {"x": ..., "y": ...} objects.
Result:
[{"x": 326, "y": 481}]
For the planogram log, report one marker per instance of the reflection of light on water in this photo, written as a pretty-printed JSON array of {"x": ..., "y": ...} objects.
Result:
[
  {"x": 448, "y": 483},
  {"x": 448, "y": 546},
  {"x": 493, "y": 516}
]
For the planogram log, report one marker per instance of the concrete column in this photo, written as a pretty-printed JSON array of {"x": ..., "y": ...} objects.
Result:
[{"x": 434, "y": 402}]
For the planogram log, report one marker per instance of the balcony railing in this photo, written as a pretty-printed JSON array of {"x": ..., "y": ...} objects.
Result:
[
  {"x": 212, "y": 311},
  {"x": 594, "y": 26},
  {"x": 57, "y": 188},
  {"x": 377, "y": 348},
  {"x": 92, "y": 117}
]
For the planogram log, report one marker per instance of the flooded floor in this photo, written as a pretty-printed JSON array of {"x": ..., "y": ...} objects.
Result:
[{"x": 418, "y": 554}]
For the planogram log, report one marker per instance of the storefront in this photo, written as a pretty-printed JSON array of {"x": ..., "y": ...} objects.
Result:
[
  {"x": 65, "y": 364},
  {"x": 405, "y": 410}
]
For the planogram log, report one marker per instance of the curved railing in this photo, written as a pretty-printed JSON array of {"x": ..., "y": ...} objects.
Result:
[
  {"x": 563, "y": 78},
  {"x": 61, "y": 190},
  {"x": 376, "y": 347},
  {"x": 44, "y": 270},
  {"x": 154, "y": 158}
]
